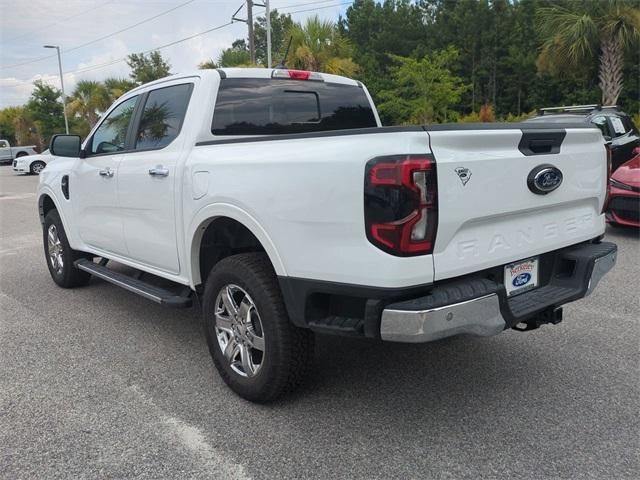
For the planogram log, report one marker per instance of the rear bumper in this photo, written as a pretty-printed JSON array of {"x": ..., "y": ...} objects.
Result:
[
  {"x": 624, "y": 208},
  {"x": 575, "y": 274},
  {"x": 474, "y": 304}
]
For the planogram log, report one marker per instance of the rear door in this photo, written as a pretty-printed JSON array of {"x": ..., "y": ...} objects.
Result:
[
  {"x": 489, "y": 214},
  {"x": 148, "y": 180}
]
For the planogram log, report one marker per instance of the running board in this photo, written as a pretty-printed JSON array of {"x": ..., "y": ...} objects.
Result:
[{"x": 144, "y": 289}]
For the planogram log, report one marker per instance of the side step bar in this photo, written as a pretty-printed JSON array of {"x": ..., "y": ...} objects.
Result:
[{"x": 146, "y": 290}]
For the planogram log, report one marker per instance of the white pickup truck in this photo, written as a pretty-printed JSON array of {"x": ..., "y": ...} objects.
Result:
[
  {"x": 9, "y": 153},
  {"x": 277, "y": 199}
]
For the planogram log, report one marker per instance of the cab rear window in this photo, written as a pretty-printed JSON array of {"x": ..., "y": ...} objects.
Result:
[{"x": 261, "y": 106}]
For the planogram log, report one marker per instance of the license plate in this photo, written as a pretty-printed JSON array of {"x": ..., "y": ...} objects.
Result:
[{"x": 521, "y": 276}]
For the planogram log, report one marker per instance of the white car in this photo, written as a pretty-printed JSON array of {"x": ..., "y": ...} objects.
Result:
[
  {"x": 32, "y": 164},
  {"x": 278, "y": 199}
]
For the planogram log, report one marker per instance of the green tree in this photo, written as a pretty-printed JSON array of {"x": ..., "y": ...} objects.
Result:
[
  {"x": 579, "y": 33},
  {"x": 148, "y": 68},
  {"x": 46, "y": 110},
  {"x": 236, "y": 56},
  {"x": 318, "y": 45},
  {"x": 88, "y": 101},
  {"x": 280, "y": 24},
  {"x": 116, "y": 87},
  {"x": 422, "y": 90},
  {"x": 208, "y": 64},
  {"x": 16, "y": 125}
]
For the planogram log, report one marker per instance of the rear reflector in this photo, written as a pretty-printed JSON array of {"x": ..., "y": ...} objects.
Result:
[
  {"x": 296, "y": 75},
  {"x": 401, "y": 214}
]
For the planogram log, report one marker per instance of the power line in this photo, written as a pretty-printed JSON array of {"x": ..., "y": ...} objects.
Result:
[
  {"x": 66, "y": 19},
  {"x": 115, "y": 61},
  {"x": 320, "y": 8},
  {"x": 166, "y": 45},
  {"x": 104, "y": 37}
]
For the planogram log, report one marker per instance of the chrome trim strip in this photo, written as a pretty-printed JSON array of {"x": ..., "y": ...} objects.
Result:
[
  {"x": 124, "y": 285},
  {"x": 480, "y": 316},
  {"x": 601, "y": 266}
]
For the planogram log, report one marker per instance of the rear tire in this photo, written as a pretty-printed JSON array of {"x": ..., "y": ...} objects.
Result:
[
  {"x": 36, "y": 167},
  {"x": 21, "y": 154},
  {"x": 60, "y": 256},
  {"x": 244, "y": 315}
]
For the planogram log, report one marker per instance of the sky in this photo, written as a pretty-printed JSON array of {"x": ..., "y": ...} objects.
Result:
[{"x": 95, "y": 35}]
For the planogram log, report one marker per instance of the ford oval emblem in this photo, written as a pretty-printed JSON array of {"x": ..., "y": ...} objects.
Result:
[
  {"x": 544, "y": 179},
  {"x": 521, "y": 279}
]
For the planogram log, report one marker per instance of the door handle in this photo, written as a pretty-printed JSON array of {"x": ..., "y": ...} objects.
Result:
[
  {"x": 107, "y": 172},
  {"x": 159, "y": 171}
]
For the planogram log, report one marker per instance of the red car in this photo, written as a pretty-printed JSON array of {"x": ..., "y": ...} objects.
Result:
[{"x": 624, "y": 199}]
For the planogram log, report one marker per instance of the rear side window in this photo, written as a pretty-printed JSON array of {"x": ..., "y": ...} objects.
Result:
[
  {"x": 262, "y": 106},
  {"x": 162, "y": 116},
  {"x": 618, "y": 126}
]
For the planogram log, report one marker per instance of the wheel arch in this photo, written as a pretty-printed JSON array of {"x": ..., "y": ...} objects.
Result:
[
  {"x": 231, "y": 223},
  {"x": 46, "y": 203}
]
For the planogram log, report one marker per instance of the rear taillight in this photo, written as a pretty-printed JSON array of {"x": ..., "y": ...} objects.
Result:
[
  {"x": 400, "y": 204},
  {"x": 607, "y": 147}
]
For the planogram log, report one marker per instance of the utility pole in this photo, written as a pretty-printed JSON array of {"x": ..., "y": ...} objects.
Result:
[
  {"x": 64, "y": 97},
  {"x": 252, "y": 47},
  {"x": 268, "y": 13}
]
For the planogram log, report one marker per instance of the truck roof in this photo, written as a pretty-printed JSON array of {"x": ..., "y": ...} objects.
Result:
[{"x": 237, "y": 72}]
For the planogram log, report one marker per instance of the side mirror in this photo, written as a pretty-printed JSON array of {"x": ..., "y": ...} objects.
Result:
[
  {"x": 607, "y": 138},
  {"x": 65, "y": 146}
]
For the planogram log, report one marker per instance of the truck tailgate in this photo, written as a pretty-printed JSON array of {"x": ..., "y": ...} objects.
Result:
[{"x": 489, "y": 216}]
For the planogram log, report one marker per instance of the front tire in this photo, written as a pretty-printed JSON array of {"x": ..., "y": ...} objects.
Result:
[
  {"x": 60, "y": 256},
  {"x": 36, "y": 167},
  {"x": 256, "y": 349}
]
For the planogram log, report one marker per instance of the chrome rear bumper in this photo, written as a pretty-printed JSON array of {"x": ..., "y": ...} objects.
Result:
[
  {"x": 480, "y": 316},
  {"x": 483, "y": 315}
]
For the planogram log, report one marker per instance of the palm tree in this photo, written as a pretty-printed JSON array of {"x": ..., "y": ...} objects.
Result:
[
  {"x": 318, "y": 45},
  {"x": 116, "y": 87},
  {"x": 88, "y": 100},
  {"x": 579, "y": 31}
]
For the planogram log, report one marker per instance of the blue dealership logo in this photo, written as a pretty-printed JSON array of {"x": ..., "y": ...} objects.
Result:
[{"x": 521, "y": 279}]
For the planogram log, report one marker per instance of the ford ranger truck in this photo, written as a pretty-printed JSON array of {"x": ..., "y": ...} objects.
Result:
[{"x": 277, "y": 199}]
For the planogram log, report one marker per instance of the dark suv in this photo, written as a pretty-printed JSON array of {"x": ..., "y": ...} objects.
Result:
[{"x": 616, "y": 126}]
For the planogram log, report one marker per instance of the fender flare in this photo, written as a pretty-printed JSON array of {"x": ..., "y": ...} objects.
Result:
[
  {"x": 46, "y": 191},
  {"x": 209, "y": 213}
]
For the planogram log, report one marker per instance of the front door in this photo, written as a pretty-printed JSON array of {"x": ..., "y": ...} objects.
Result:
[
  {"x": 148, "y": 179},
  {"x": 93, "y": 187}
]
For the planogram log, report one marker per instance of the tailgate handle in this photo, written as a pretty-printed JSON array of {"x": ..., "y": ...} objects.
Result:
[
  {"x": 536, "y": 142},
  {"x": 541, "y": 146}
]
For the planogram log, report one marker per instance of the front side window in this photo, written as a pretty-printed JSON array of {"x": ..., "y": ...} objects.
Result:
[
  {"x": 262, "y": 106},
  {"x": 603, "y": 125},
  {"x": 4, "y": 143},
  {"x": 162, "y": 116},
  {"x": 111, "y": 135}
]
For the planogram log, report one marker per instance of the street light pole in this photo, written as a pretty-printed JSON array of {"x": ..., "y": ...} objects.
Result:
[
  {"x": 64, "y": 97},
  {"x": 268, "y": 14}
]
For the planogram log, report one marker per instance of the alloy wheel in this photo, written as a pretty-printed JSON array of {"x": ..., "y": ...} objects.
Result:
[
  {"x": 239, "y": 330},
  {"x": 55, "y": 249}
]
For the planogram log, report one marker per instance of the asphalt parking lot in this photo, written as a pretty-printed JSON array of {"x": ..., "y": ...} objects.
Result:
[{"x": 99, "y": 383}]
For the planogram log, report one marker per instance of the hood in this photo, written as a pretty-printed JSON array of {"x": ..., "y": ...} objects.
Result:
[{"x": 629, "y": 172}]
